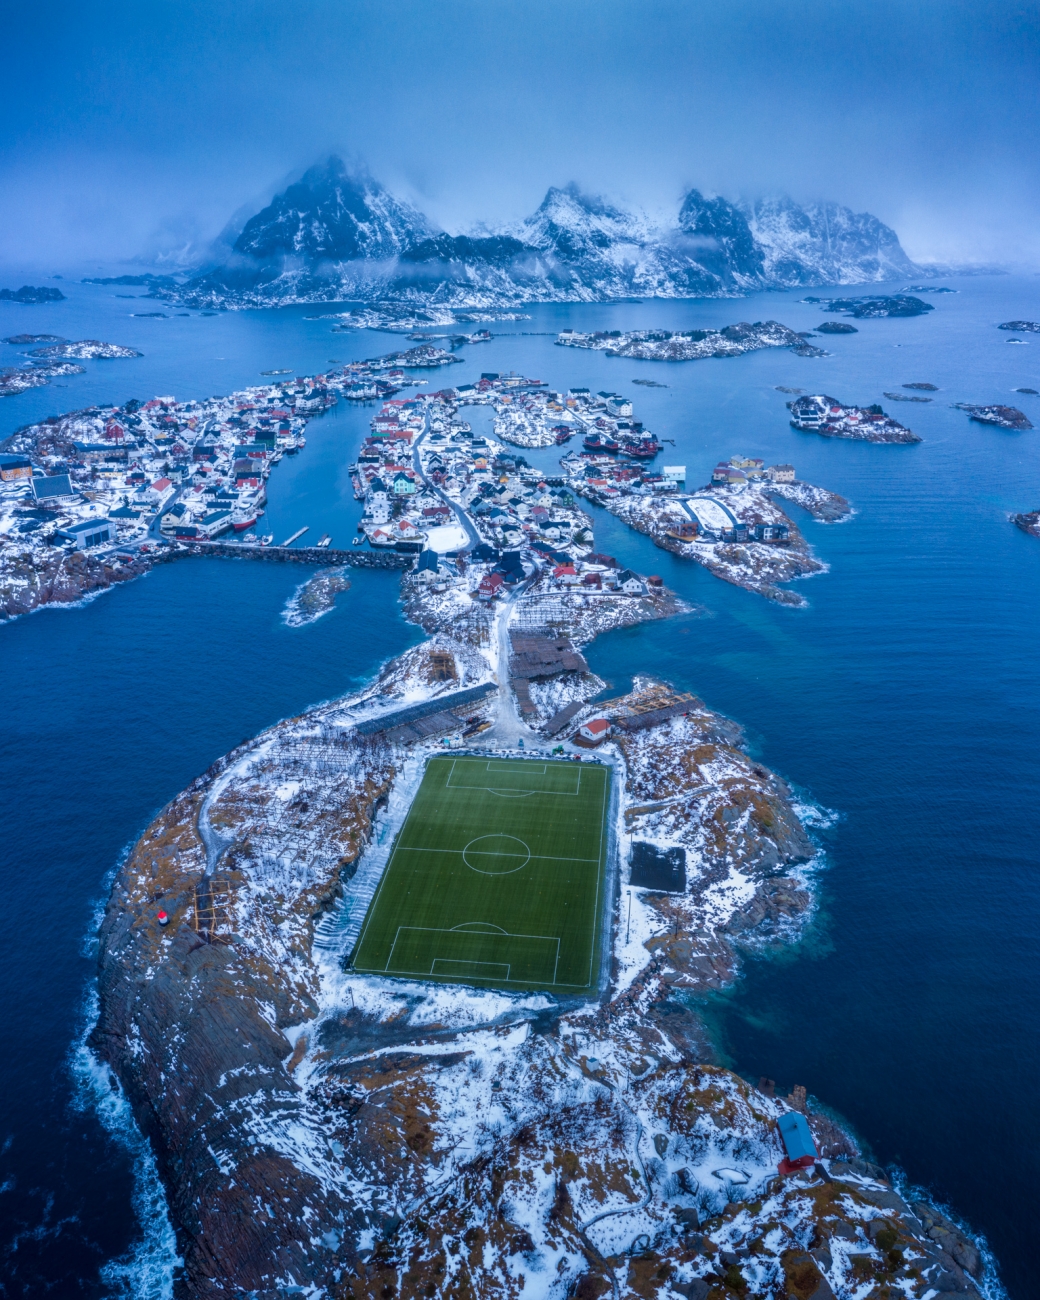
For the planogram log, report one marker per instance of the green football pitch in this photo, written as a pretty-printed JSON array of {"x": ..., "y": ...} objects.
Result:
[{"x": 496, "y": 877}]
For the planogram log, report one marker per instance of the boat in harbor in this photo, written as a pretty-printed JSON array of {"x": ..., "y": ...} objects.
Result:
[
  {"x": 325, "y": 540},
  {"x": 243, "y": 517}
]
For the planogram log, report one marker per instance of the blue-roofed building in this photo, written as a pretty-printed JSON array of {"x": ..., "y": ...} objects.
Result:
[
  {"x": 798, "y": 1141},
  {"x": 54, "y": 487}
]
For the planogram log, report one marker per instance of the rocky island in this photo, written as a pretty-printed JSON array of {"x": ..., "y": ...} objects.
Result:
[
  {"x": 1021, "y": 326},
  {"x": 362, "y": 1136},
  {"x": 1004, "y": 417},
  {"x": 1029, "y": 522},
  {"x": 29, "y": 294},
  {"x": 85, "y": 350},
  {"x": 693, "y": 345},
  {"x": 733, "y": 526},
  {"x": 818, "y": 413},
  {"x": 875, "y": 307},
  {"x": 54, "y": 360}
]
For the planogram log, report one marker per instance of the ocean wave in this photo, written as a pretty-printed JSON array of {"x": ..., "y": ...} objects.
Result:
[
  {"x": 148, "y": 1269},
  {"x": 814, "y": 816},
  {"x": 989, "y": 1284}
]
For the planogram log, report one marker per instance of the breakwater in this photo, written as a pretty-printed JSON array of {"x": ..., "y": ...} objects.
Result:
[{"x": 290, "y": 554}]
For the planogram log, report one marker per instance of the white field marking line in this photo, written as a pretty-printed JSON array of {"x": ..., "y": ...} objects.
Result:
[
  {"x": 562, "y": 794},
  {"x": 541, "y": 857},
  {"x": 517, "y": 769},
  {"x": 433, "y": 929},
  {"x": 599, "y": 875}
]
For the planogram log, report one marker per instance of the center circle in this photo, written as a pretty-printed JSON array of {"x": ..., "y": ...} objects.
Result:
[{"x": 496, "y": 855}]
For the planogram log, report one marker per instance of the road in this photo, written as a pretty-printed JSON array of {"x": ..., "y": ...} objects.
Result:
[{"x": 471, "y": 533}]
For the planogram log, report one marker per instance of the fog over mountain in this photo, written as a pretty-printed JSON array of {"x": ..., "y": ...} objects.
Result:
[
  {"x": 337, "y": 233},
  {"x": 133, "y": 132}
]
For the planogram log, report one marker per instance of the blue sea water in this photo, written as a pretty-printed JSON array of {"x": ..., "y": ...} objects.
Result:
[{"x": 903, "y": 698}]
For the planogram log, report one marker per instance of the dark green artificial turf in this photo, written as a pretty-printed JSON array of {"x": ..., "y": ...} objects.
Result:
[{"x": 496, "y": 877}]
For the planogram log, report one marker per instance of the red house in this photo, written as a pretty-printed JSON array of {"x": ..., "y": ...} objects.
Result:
[{"x": 490, "y": 586}]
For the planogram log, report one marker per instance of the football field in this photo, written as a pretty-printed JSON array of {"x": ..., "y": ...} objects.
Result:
[{"x": 496, "y": 877}]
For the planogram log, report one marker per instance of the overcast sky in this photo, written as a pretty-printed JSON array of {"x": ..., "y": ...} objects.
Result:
[{"x": 134, "y": 127}]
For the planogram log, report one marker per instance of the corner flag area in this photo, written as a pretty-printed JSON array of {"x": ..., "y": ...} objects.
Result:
[{"x": 496, "y": 878}]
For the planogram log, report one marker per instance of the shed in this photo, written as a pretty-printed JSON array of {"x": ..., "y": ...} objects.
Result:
[
  {"x": 90, "y": 532},
  {"x": 596, "y": 730},
  {"x": 798, "y": 1141}
]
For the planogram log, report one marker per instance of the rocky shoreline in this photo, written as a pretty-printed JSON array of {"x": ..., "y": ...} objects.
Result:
[{"x": 347, "y": 1136}]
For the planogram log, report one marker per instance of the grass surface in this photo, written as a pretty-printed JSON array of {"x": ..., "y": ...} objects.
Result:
[{"x": 495, "y": 878}]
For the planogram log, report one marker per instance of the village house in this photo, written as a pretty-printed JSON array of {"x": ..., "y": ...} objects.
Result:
[
  {"x": 15, "y": 468},
  {"x": 781, "y": 473},
  {"x": 631, "y": 583},
  {"x": 490, "y": 586},
  {"x": 595, "y": 731},
  {"x": 377, "y": 502}
]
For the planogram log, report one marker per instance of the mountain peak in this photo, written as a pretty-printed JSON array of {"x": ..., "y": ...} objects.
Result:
[
  {"x": 332, "y": 213},
  {"x": 727, "y": 246},
  {"x": 337, "y": 233}
]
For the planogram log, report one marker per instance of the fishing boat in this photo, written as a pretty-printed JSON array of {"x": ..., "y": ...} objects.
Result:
[{"x": 243, "y": 517}]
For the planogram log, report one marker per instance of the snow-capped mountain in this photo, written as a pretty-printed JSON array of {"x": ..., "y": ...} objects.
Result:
[
  {"x": 338, "y": 234},
  {"x": 332, "y": 214},
  {"x": 824, "y": 243}
]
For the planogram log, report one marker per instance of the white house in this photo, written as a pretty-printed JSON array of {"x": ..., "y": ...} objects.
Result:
[
  {"x": 596, "y": 730},
  {"x": 377, "y": 503},
  {"x": 631, "y": 583}
]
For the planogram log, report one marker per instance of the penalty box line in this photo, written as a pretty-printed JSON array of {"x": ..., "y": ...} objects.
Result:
[
  {"x": 433, "y": 929},
  {"x": 451, "y": 784}
]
